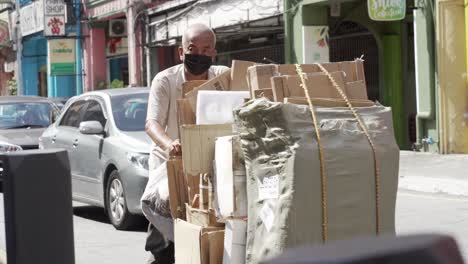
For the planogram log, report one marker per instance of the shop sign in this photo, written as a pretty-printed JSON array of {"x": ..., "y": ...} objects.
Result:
[
  {"x": 386, "y": 10},
  {"x": 28, "y": 20},
  {"x": 117, "y": 47},
  {"x": 54, "y": 17},
  {"x": 55, "y": 26},
  {"x": 315, "y": 46},
  {"x": 108, "y": 9},
  {"x": 31, "y": 18},
  {"x": 61, "y": 56}
]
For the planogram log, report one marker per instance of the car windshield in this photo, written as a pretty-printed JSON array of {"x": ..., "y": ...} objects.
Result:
[
  {"x": 129, "y": 111},
  {"x": 24, "y": 115}
]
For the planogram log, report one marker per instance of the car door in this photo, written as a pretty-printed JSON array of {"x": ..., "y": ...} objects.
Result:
[
  {"x": 65, "y": 136},
  {"x": 89, "y": 152}
]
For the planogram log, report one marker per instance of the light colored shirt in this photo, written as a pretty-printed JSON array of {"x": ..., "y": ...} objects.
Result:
[{"x": 166, "y": 88}]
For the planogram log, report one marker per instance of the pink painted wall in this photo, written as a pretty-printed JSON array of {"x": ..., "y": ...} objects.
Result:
[{"x": 95, "y": 58}]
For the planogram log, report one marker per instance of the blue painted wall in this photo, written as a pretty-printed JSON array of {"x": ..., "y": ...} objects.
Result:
[{"x": 34, "y": 57}]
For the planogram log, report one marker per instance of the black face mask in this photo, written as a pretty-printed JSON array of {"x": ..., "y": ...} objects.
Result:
[{"x": 197, "y": 64}]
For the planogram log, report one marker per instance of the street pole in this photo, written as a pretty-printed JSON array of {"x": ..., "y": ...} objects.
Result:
[
  {"x": 78, "y": 66},
  {"x": 19, "y": 51}
]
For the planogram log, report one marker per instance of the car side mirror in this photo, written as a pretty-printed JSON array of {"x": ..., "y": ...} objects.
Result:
[{"x": 91, "y": 128}]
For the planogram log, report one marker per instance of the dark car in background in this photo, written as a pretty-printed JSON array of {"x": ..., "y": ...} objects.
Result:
[
  {"x": 103, "y": 133},
  {"x": 23, "y": 119}
]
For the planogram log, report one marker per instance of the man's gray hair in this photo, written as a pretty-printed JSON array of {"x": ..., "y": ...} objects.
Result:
[{"x": 194, "y": 30}]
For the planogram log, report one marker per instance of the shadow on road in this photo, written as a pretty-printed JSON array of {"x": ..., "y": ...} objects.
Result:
[
  {"x": 98, "y": 214},
  {"x": 92, "y": 213}
]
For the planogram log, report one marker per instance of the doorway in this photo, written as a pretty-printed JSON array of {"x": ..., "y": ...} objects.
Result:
[
  {"x": 42, "y": 81},
  {"x": 348, "y": 41}
]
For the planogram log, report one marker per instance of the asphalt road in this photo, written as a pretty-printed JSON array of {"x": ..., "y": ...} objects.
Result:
[{"x": 96, "y": 240}]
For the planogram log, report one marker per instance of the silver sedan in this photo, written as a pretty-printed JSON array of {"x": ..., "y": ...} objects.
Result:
[{"x": 103, "y": 132}]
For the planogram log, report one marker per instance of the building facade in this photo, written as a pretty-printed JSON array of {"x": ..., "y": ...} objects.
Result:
[
  {"x": 250, "y": 30},
  {"x": 113, "y": 41},
  {"x": 49, "y": 51},
  {"x": 398, "y": 57}
]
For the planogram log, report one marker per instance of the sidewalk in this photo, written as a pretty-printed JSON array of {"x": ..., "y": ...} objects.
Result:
[{"x": 434, "y": 173}]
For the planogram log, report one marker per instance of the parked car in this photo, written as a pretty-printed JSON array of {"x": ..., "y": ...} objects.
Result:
[
  {"x": 103, "y": 132},
  {"x": 23, "y": 119}
]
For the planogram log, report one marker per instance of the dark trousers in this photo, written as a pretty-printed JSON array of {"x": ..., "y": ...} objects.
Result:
[{"x": 161, "y": 250}]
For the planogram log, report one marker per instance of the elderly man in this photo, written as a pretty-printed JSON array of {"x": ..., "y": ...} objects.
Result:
[{"x": 197, "y": 54}]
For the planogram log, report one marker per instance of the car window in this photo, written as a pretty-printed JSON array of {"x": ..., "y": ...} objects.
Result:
[
  {"x": 94, "y": 113},
  {"x": 25, "y": 114},
  {"x": 129, "y": 111},
  {"x": 73, "y": 115}
]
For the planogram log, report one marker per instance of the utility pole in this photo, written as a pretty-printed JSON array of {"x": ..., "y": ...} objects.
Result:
[
  {"x": 78, "y": 52},
  {"x": 19, "y": 50}
]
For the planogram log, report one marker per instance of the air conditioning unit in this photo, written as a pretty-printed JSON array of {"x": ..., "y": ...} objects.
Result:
[{"x": 117, "y": 28}]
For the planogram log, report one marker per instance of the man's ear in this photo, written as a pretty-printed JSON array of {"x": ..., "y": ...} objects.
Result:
[
  {"x": 181, "y": 54},
  {"x": 213, "y": 55}
]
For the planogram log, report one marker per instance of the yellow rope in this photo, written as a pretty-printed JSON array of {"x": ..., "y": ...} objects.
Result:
[
  {"x": 371, "y": 143},
  {"x": 322, "y": 162}
]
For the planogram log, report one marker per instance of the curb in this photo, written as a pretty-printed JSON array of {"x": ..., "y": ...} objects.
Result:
[{"x": 450, "y": 186}]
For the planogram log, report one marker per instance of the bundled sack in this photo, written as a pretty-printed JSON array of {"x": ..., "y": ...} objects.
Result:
[
  {"x": 155, "y": 202},
  {"x": 284, "y": 184}
]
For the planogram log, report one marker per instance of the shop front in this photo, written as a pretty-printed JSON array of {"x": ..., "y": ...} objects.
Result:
[{"x": 399, "y": 69}]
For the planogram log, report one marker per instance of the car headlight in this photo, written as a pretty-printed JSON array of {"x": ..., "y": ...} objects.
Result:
[
  {"x": 139, "y": 159},
  {"x": 8, "y": 147}
]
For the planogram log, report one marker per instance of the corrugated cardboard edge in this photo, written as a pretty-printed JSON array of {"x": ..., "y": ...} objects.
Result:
[{"x": 239, "y": 75}]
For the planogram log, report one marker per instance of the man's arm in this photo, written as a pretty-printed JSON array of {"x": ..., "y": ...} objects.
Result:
[
  {"x": 160, "y": 137},
  {"x": 158, "y": 110}
]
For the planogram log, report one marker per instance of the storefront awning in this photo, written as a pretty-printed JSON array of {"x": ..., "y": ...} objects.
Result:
[{"x": 166, "y": 27}]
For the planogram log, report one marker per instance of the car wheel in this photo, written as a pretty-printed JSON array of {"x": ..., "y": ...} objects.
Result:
[{"x": 116, "y": 204}]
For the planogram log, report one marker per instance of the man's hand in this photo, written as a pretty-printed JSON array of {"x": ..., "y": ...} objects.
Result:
[
  {"x": 175, "y": 148},
  {"x": 160, "y": 137}
]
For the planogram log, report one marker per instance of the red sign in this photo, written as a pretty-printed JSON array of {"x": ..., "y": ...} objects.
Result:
[{"x": 54, "y": 26}]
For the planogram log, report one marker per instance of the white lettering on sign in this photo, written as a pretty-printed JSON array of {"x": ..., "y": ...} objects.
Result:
[
  {"x": 54, "y": 8},
  {"x": 108, "y": 8}
]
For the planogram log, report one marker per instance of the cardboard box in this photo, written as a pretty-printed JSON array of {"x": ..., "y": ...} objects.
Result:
[
  {"x": 259, "y": 75},
  {"x": 327, "y": 102},
  {"x": 202, "y": 217},
  {"x": 216, "y": 107},
  {"x": 234, "y": 241},
  {"x": 190, "y": 85},
  {"x": 356, "y": 90},
  {"x": 230, "y": 179},
  {"x": 318, "y": 84},
  {"x": 185, "y": 113},
  {"x": 218, "y": 83},
  {"x": 239, "y": 75},
  {"x": 196, "y": 244},
  {"x": 178, "y": 195},
  {"x": 198, "y": 144},
  {"x": 267, "y": 93}
]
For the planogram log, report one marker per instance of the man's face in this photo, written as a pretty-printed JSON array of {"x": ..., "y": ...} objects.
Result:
[{"x": 199, "y": 44}]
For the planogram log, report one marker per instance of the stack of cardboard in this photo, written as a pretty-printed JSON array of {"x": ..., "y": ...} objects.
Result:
[
  {"x": 280, "y": 83},
  {"x": 199, "y": 233},
  {"x": 210, "y": 184}
]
